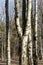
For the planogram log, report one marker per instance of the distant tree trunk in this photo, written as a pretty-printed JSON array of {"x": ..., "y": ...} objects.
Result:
[
  {"x": 7, "y": 35},
  {"x": 2, "y": 48},
  {"x": 33, "y": 32},
  {"x": 38, "y": 30}
]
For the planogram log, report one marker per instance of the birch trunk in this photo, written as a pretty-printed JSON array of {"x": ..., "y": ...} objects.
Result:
[
  {"x": 25, "y": 39},
  {"x": 38, "y": 30},
  {"x": 30, "y": 31},
  {"x": 18, "y": 27},
  {"x": 17, "y": 20},
  {"x": 26, "y": 34},
  {"x": 9, "y": 56},
  {"x": 28, "y": 26},
  {"x": 33, "y": 32},
  {"x": 7, "y": 35}
]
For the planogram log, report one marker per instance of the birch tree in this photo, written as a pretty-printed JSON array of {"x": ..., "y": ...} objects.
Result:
[
  {"x": 30, "y": 32},
  {"x": 26, "y": 34},
  {"x": 7, "y": 35},
  {"x": 18, "y": 27}
]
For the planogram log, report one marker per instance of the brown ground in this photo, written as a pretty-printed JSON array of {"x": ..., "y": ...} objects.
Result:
[{"x": 15, "y": 62}]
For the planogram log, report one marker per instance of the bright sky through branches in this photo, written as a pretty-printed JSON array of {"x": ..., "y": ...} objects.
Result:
[{"x": 2, "y": 9}]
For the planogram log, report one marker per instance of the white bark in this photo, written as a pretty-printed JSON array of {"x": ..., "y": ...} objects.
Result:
[
  {"x": 28, "y": 26},
  {"x": 24, "y": 50},
  {"x": 29, "y": 30},
  {"x": 25, "y": 38},
  {"x": 9, "y": 56},
  {"x": 19, "y": 27},
  {"x": 26, "y": 35},
  {"x": 17, "y": 18}
]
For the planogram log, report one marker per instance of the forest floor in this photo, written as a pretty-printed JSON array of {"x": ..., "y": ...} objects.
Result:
[
  {"x": 14, "y": 62},
  {"x": 40, "y": 62}
]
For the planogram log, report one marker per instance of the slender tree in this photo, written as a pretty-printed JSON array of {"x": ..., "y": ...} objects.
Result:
[
  {"x": 33, "y": 32},
  {"x": 18, "y": 27},
  {"x": 7, "y": 35},
  {"x": 38, "y": 29},
  {"x": 30, "y": 40}
]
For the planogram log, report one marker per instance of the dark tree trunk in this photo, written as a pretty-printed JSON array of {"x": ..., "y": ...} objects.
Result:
[
  {"x": 23, "y": 15},
  {"x": 33, "y": 33},
  {"x": 7, "y": 28}
]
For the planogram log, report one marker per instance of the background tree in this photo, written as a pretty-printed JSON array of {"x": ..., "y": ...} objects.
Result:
[
  {"x": 33, "y": 32},
  {"x": 7, "y": 35},
  {"x": 38, "y": 29}
]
